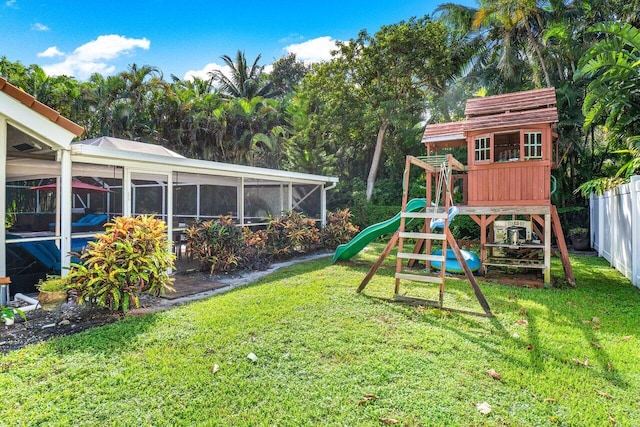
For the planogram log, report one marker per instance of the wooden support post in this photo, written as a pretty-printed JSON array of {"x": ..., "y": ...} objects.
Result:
[
  {"x": 547, "y": 250},
  {"x": 472, "y": 280},
  {"x": 536, "y": 223},
  {"x": 385, "y": 253},
  {"x": 427, "y": 224},
  {"x": 562, "y": 246},
  {"x": 405, "y": 198},
  {"x": 483, "y": 238}
]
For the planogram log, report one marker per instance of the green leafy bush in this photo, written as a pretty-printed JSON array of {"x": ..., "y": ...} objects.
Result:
[
  {"x": 338, "y": 230},
  {"x": 373, "y": 214},
  {"x": 293, "y": 233},
  {"x": 131, "y": 257},
  {"x": 218, "y": 244},
  {"x": 463, "y": 227}
]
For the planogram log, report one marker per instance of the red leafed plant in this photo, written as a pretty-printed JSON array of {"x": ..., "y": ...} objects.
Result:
[{"x": 131, "y": 257}]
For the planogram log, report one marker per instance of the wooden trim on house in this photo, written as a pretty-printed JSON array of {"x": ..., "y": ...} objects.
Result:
[{"x": 39, "y": 107}]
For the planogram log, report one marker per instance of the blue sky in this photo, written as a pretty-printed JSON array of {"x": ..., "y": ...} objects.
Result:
[{"x": 185, "y": 38}]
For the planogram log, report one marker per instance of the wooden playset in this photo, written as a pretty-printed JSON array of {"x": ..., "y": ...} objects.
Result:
[{"x": 506, "y": 186}]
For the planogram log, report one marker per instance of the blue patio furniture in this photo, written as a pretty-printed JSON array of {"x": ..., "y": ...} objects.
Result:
[
  {"x": 45, "y": 252},
  {"x": 88, "y": 222}
]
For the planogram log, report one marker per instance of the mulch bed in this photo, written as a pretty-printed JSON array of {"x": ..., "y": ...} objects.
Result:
[{"x": 70, "y": 318}]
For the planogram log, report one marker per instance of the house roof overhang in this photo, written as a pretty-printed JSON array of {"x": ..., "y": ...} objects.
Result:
[{"x": 35, "y": 119}]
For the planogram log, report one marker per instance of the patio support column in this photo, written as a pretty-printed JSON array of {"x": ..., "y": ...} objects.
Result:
[
  {"x": 323, "y": 206},
  {"x": 170, "y": 213},
  {"x": 281, "y": 198},
  {"x": 65, "y": 209},
  {"x": 3, "y": 194},
  {"x": 198, "y": 188},
  {"x": 240, "y": 202},
  {"x": 290, "y": 201},
  {"x": 126, "y": 191}
]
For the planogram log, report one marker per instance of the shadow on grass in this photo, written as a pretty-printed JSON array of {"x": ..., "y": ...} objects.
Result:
[{"x": 551, "y": 312}]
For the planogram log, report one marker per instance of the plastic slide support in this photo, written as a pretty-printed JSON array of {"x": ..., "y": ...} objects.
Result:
[
  {"x": 348, "y": 250},
  {"x": 439, "y": 223}
]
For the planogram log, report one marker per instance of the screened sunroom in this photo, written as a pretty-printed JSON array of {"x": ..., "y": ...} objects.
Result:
[{"x": 57, "y": 194}]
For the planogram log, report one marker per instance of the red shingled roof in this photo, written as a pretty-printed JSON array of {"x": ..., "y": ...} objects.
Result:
[
  {"x": 499, "y": 111},
  {"x": 40, "y": 108},
  {"x": 511, "y": 102}
]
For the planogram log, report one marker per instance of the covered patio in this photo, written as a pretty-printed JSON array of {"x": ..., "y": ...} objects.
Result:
[{"x": 97, "y": 179}]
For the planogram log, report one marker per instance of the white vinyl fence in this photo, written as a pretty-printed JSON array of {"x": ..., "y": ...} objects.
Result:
[{"x": 615, "y": 228}]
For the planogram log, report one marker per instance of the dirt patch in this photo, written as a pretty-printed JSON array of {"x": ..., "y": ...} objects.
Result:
[
  {"x": 43, "y": 325},
  {"x": 523, "y": 280}
]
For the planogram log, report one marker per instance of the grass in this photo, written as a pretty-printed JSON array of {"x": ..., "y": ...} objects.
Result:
[{"x": 327, "y": 356}]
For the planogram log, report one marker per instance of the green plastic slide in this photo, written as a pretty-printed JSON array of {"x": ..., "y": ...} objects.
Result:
[{"x": 346, "y": 251}]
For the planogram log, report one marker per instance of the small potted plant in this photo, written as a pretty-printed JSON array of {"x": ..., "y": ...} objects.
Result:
[
  {"x": 7, "y": 315},
  {"x": 580, "y": 238},
  {"x": 53, "y": 292}
]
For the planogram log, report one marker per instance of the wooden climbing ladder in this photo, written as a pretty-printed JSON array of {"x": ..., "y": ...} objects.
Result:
[{"x": 436, "y": 168}]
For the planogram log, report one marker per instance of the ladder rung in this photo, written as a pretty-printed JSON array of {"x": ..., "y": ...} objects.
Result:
[
  {"x": 419, "y": 278},
  {"x": 432, "y": 236},
  {"x": 440, "y": 215},
  {"x": 421, "y": 257}
]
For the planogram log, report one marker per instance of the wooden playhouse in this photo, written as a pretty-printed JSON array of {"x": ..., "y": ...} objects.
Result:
[{"x": 507, "y": 182}]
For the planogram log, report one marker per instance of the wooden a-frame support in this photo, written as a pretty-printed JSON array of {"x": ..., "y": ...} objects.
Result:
[
  {"x": 425, "y": 236},
  {"x": 468, "y": 273}
]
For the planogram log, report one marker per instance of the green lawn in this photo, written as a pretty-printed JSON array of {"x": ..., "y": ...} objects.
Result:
[{"x": 327, "y": 356}]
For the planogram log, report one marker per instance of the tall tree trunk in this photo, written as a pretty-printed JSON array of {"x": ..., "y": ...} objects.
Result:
[
  {"x": 536, "y": 47},
  {"x": 377, "y": 153}
]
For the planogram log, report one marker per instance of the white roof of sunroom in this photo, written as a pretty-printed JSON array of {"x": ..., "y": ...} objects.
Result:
[
  {"x": 128, "y": 145},
  {"x": 154, "y": 158}
]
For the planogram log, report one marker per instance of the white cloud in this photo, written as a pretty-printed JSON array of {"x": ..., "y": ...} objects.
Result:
[
  {"x": 39, "y": 27},
  {"x": 314, "y": 50},
  {"x": 204, "y": 72},
  {"x": 11, "y": 4},
  {"x": 94, "y": 56},
  {"x": 50, "y": 52}
]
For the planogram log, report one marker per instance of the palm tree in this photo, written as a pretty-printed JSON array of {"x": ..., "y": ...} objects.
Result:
[
  {"x": 244, "y": 81},
  {"x": 507, "y": 18},
  {"x": 501, "y": 37}
]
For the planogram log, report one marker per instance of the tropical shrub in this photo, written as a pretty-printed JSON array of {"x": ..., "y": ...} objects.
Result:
[
  {"x": 255, "y": 255},
  {"x": 131, "y": 257},
  {"x": 338, "y": 230},
  {"x": 218, "y": 244},
  {"x": 293, "y": 233}
]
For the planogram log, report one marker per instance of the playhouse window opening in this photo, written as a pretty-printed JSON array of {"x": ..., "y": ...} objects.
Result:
[
  {"x": 482, "y": 149},
  {"x": 506, "y": 147},
  {"x": 532, "y": 145}
]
